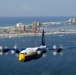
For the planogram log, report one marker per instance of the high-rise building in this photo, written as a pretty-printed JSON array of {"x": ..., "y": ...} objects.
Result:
[
  {"x": 20, "y": 27},
  {"x": 34, "y": 27},
  {"x": 73, "y": 20}
]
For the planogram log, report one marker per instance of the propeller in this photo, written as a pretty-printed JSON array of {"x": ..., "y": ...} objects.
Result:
[
  {"x": 16, "y": 55},
  {"x": 5, "y": 50},
  {"x": 6, "y": 53},
  {"x": 61, "y": 53},
  {"x": 1, "y": 53},
  {"x": 17, "y": 51},
  {"x": 57, "y": 50},
  {"x": 15, "y": 46},
  {"x": 44, "y": 55},
  {"x": 38, "y": 52},
  {"x": 12, "y": 51},
  {"x": 54, "y": 53},
  {"x": 1, "y": 47},
  {"x": 44, "y": 51},
  {"x": 54, "y": 47}
]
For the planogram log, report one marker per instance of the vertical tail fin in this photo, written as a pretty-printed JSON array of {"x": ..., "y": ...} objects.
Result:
[{"x": 43, "y": 39}]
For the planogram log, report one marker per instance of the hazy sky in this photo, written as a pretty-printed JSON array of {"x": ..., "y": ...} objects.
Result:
[{"x": 37, "y": 8}]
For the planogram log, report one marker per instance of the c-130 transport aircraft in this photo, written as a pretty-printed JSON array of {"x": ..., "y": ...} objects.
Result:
[{"x": 33, "y": 53}]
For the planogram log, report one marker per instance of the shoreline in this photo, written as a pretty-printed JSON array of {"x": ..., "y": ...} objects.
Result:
[{"x": 33, "y": 34}]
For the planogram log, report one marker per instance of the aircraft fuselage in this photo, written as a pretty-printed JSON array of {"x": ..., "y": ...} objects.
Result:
[{"x": 27, "y": 57}]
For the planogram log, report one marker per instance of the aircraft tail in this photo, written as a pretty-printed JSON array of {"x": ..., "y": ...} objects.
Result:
[{"x": 43, "y": 39}]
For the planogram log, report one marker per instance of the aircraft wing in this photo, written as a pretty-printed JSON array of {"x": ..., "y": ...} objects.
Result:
[
  {"x": 54, "y": 47},
  {"x": 69, "y": 47},
  {"x": 57, "y": 49},
  {"x": 12, "y": 50}
]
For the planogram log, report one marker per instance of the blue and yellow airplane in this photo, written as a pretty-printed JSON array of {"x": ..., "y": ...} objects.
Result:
[{"x": 33, "y": 53}]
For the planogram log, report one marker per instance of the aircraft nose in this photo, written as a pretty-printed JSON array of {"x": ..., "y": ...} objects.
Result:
[{"x": 21, "y": 57}]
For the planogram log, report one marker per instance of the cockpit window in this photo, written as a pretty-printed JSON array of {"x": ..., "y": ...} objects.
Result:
[{"x": 23, "y": 53}]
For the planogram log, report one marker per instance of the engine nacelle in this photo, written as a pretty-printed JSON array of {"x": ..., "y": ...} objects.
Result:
[{"x": 59, "y": 50}]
